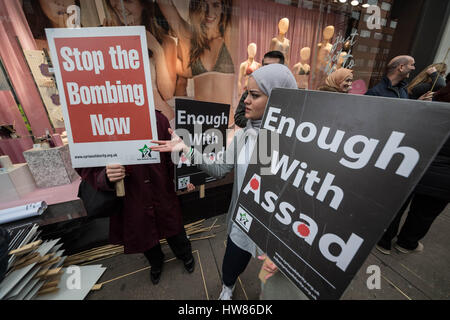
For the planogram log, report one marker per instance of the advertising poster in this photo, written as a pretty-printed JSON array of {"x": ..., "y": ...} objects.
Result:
[
  {"x": 203, "y": 125},
  {"x": 104, "y": 81},
  {"x": 343, "y": 167}
]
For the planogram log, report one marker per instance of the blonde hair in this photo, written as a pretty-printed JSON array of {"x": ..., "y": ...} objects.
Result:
[{"x": 424, "y": 77}]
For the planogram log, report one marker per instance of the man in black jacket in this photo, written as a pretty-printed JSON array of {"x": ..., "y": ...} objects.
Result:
[
  {"x": 393, "y": 85},
  {"x": 269, "y": 58}
]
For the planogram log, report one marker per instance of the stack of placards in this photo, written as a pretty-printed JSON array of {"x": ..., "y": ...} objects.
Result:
[{"x": 35, "y": 270}]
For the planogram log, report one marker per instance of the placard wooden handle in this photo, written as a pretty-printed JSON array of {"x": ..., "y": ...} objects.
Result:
[
  {"x": 262, "y": 274},
  {"x": 202, "y": 191},
  {"x": 120, "y": 188}
]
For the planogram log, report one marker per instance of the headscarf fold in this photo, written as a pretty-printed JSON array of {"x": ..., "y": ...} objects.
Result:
[
  {"x": 274, "y": 76},
  {"x": 335, "y": 79}
]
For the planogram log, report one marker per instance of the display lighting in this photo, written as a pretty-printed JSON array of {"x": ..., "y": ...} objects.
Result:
[
  {"x": 366, "y": 5},
  {"x": 342, "y": 1},
  {"x": 354, "y": 2}
]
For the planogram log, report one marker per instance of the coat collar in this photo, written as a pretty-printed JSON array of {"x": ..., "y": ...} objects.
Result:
[{"x": 401, "y": 84}]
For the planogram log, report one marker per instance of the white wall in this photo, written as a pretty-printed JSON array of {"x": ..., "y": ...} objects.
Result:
[{"x": 444, "y": 46}]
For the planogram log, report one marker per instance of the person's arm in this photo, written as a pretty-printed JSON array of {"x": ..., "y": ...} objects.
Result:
[
  {"x": 239, "y": 115},
  {"x": 102, "y": 178},
  {"x": 440, "y": 82},
  {"x": 419, "y": 90},
  {"x": 165, "y": 64},
  {"x": 273, "y": 44},
  {"x": 217, "y": 169},
  {"x": 176, "y": 22}
]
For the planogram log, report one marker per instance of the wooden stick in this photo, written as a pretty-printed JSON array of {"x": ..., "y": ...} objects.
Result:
[
  {"x": 202, "y": 191},
  {"x": 120, "y": 188},
  {"x": 29, "y": 256},
  {"x": 26, "y": 248},
  {"x": 262, "y": 275},
  {"x": 435, "y": 80},
  {"x": 47, "y": 290},
  {"x": 194, "y": 223},
  {"x": 203, "y": 238}
]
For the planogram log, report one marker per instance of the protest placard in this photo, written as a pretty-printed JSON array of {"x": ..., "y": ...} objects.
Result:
[
  {"x": 202, "y": 125},
  {"x": 104, "y": 83},
  {"x": 342, "y": 169}
]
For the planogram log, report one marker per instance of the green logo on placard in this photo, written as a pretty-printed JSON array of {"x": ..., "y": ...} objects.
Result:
[{"x": 146, "y": 151}]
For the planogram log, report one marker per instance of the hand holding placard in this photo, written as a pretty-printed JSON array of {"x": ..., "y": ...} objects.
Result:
[{"x": 116, "y": 173}]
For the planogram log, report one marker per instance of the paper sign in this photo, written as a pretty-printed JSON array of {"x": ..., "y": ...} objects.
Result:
[{"x": 104, "y": 82}]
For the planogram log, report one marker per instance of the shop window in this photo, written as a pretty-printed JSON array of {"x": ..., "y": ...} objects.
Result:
[
  {"x": 365, "y": 34},
  {"x": 393, "y": 24},
  {"x": 385, "y": 6},
  {"x": 375, "y": 50},
  {"x": 372, "y": 2},
  {"x": 356, "y": 15},
  {"x": 388, "y": 38},
  {"x": 362, "y": 48},
  {"x": 378, "y": 36}
]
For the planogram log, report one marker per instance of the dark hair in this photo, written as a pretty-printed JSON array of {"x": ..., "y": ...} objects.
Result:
[
  {"x": 447, "y": 78},
  {"x": 274, "y": 55},
  {"x": 36, "y": 18},
  {"x": 443, "y": 94}
]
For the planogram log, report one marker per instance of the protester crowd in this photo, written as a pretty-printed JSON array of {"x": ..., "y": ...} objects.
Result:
[{"x": 145, "y": 219}]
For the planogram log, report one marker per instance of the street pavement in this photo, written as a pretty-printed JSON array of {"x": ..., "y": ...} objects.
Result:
[{"x": 415, "y": 276}]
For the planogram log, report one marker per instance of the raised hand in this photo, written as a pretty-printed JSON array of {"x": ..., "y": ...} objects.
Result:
[{"x": 176, "y": 144}]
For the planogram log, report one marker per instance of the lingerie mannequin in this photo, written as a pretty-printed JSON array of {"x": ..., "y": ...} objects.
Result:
[
  {"x": 280, "y": 42},
  {"x": 302, "y": 69},
  {"x": 324, "y": 49},
  {"x": 247, "y": 67}
]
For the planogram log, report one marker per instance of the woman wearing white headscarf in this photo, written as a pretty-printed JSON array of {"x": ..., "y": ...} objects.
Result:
[{"x": 240, "y": 248}]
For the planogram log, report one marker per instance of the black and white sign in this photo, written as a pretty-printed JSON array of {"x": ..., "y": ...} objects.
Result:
[
  {"x": 202, "y": 125},
  {"x": 343, "y": 167}
]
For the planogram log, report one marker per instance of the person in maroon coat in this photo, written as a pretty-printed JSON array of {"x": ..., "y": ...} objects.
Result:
[{"x": 151, "y": 209}]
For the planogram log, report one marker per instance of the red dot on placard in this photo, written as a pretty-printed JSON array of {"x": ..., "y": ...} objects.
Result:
[
  {"x": 303, "y": 230},
  {"x": 183, "y": 159},
  {"x": 254, "y": 184}
]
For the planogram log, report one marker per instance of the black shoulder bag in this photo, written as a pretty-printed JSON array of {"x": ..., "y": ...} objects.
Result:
[{"x": 98, "y": 203}]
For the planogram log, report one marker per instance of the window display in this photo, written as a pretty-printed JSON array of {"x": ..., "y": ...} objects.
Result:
[{"x": 206, "y": 49}]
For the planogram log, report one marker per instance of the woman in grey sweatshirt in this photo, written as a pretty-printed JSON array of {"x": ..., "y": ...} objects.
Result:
[{"x": 240, "y": 248}]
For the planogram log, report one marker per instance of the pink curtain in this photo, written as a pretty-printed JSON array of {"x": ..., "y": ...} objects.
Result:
[
  {"x": 10, "y": 114},
  {"x": 258, "y": 23},
  {"x": 13, "y": 26}
]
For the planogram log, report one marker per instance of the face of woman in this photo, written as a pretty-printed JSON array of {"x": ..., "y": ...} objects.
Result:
[
  {"x": 212, "y": 13},
  {"x": 256, "y": 101},
  {"x": 133, "y": 11},
  {"x": 56, "y": 11},
  {"x": 346, "y": 85}
]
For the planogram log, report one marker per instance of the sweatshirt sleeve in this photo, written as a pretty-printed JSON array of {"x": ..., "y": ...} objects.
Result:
[{"x": 217, "y": 169}]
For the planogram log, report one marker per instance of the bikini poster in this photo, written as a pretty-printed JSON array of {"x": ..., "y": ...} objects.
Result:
[{"x": 190, "y": 47}]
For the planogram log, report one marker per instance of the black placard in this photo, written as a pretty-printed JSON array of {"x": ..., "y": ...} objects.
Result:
[
  {"x": 212, "y": 122},
  {"x": 335, "y": 181}
]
